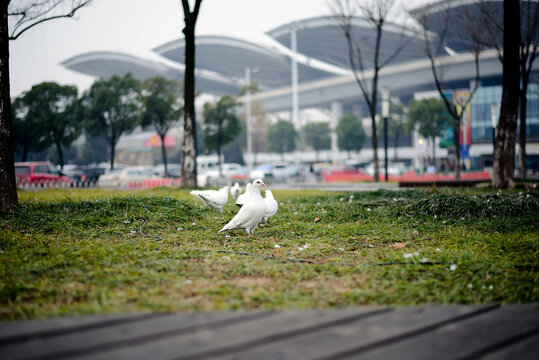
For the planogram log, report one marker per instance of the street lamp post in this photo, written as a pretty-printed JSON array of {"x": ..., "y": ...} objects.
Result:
[
  {"x": 493, "y": 107},
  {"x": 248, "y": 119},
  {"x": 385, "y": 115}
]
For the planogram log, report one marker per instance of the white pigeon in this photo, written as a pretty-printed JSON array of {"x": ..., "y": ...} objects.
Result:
[
  {"x": 251, "y": 213},
  {"x": 235, "y": 190},
  {"x": 214, "y": 198},
  {"x": 271, "y": 206},
  {"x": 243, "y": 197}
]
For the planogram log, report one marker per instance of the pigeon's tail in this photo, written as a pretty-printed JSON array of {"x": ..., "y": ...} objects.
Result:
[{"x": 228, "y": 226}]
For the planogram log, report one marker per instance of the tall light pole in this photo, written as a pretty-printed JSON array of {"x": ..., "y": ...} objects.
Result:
[
  {"x": 385, "y": 115},
  {"x": 294, "y": 47},
  {"x": 248, "y": 118},
  {"x": 493, "y": 108}
]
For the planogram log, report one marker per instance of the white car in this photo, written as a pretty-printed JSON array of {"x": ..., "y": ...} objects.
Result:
[
  {"x": 211, "y": 177},
  {"x": 125, "y": 178},
  {"x": 276, "y": 172},
  {"x": 392, "y": 168}
]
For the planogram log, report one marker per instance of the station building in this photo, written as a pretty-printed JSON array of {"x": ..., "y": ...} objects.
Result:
[{"x": 306, "y": 77}]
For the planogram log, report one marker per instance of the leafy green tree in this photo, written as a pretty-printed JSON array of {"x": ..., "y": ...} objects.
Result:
[
  {"x": 431, "y": 118},
  {"x": 221, "y": 125},
  {"x": 26, "y": 137},
  {"x": 282, "y": 137},
  {"x": 162, "y": 107},
  {"x": 112, "y": 109},
  {"x": 25, "y": 15},
  {"x": 318, "y": 135},
  {"x": 53, "y": 109},
  {"x": 88, "y": 155},
  {"x": 350, "y": 133}
]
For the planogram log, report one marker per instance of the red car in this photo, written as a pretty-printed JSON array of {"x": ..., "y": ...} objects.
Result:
[{"x": 40, "y": 173}]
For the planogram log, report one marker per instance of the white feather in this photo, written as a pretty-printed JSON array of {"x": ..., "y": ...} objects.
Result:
[
  {"x": 235, "y": 190},
  {"x": 214, "y": 198},
  {"x": 243, "y": 197},
  {"x": 251, "y": 213},
  {"x": 271, "y": 206}
]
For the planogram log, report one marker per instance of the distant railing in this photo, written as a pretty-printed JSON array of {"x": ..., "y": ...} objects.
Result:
[
  {"x": 142, "y": 184},
  {"x": 153, "y": 183},
  {"x": 36, "y": 185}
]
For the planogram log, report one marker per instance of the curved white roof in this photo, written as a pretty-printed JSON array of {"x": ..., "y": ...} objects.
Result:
[
  {"x": 104, "y": 64},
  {"x": 230, "y": 56},
  {"x": 321, "y": 38}
]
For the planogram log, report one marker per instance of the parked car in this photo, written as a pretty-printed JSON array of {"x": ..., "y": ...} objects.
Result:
[
  {"x": 211, "y": 177},
  {"x": 91, "y": 174},
  {"x": 276, "y": 172},
  {"x": 394, "y": 169},
  {"x": 125, "y": 178},
  {"x": 174, "y": 170},
  {"x": 40, "y": 173}
]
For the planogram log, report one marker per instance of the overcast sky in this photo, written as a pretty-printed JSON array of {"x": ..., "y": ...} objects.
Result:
[{"x": 136, "y": 27}]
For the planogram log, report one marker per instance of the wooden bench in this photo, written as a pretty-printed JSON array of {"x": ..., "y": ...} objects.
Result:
[{"x": 433, "y": 332}]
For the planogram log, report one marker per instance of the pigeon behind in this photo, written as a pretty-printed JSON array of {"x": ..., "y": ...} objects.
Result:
[
  {"x": 251, "y": 213},
  {"x": 243, "y": 197},
  {"x": 271, "y": 206},
  {"x": 214, "y": 198}
]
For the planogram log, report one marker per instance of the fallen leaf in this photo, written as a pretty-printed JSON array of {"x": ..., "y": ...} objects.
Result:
[
  {"x": 397, "y": 245},
  {"x": 415, "y": 232},
  {"x": 316, "y": 219}
]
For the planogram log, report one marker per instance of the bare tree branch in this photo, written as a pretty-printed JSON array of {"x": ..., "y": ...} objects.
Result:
[{"x": 34, "y": 13}]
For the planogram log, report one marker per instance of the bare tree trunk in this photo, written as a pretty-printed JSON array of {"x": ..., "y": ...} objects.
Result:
[
  {"x": 112, "y": 151},
  {"x": 219, "y": 161},
  {"x": 395, "y": 156},
  {"x": 8, "y": 185},
  {"x": 504, "y": 154},
  {"x": 434, "y": 152},
  {"x": 164, "y": 152},
  {"x": 189, "y": 168},
  {"x": 60, "y": 154},
  {"x": 456, "y": 138},
  {"x": 522, "y": 136}
]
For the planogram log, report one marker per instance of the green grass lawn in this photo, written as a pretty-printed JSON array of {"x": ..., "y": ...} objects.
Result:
[{"x": 73, "y": 252}]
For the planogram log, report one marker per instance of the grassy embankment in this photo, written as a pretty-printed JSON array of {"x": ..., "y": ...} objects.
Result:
[{"x": 73, "y": 252}]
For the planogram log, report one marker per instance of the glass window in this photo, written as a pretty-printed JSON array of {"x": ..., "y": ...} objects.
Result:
[
  {"x": 20, "y": 170},
  {"x": 42, "y": 169}
]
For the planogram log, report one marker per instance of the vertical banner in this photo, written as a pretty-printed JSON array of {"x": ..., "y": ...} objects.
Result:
[{"x": 460, "y": 98}]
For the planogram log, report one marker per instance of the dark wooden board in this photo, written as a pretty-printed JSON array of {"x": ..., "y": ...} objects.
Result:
[
  {"x": 364, "y": 333},
  {"x": 431, "y": 332},
  {"x": 228, "y": 339},
  {"x": 67, "y": 344}
]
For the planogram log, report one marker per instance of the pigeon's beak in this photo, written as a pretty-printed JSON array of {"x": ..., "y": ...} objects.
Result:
[{"x": 263, "y": 184}]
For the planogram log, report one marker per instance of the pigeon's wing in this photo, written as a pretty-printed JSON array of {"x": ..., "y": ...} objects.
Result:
[
  {"x": 271, "y": 207},
  {"x": 243, "y": 197},
  {"x": 250, "y": 214},
  {"x": 199, "y": 195},
  {"x": 240, "y": 218}
]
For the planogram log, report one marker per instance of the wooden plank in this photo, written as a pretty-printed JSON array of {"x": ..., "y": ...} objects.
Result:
[
  {"x": 462, "y": 340},
  {"x": 66, "y": 345},
  {"x": 22, "y": 330},
  {"x": 225, "y": 340},
  {"x": 525, "y": 349},
  {"x": 362, "y": 333}
]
